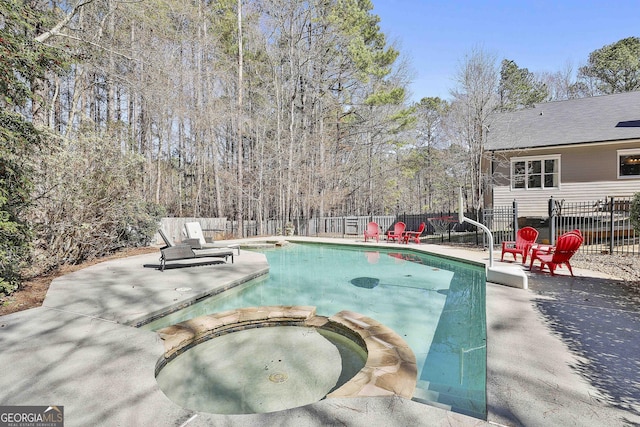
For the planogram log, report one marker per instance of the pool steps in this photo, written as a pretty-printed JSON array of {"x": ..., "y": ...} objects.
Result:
[{"x": 445, "y": 396}]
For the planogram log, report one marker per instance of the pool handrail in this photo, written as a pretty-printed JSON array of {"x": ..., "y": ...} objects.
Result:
[{"x": 462, "y": 219}]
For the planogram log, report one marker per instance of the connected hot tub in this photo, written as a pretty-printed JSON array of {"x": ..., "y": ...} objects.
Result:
[{"x": 265, "y": 359}]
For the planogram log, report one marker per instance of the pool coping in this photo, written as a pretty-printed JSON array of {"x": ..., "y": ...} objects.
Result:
[{"x": 390, "y": 367}]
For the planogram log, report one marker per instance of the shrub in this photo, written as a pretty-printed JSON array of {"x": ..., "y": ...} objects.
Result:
[
  {"x": 635, "y": 212},
  {"x": 14, "y": 247},
  {"x": 87, "y": 205},
  {"x": 141, "y": 224},
  {"x": 18, "y": 139}
]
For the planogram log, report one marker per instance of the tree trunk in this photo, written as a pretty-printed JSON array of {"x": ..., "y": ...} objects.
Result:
[{"x": 240, "y": 154}]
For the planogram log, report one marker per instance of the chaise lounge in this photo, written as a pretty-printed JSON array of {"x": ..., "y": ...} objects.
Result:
[
  {"x": 184, "y": 251},
  {"x": 196, "y": 238}
]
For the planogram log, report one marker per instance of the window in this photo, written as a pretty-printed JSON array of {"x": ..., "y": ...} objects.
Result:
[
  {"x": 536, "y": 172},
  {"x": 628, "y": 163}
]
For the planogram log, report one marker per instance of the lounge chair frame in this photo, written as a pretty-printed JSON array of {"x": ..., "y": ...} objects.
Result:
[
  {"x": 184, "y": 252},
  {"x": 187, "y": 250}
]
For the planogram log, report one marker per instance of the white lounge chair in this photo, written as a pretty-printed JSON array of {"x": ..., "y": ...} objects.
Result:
[{"x": 193, "y": 231}]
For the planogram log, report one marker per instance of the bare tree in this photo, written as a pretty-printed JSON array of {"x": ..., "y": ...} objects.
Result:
[
  {"x": 430, "y": 139},
  {"x": 559, "y": 83},
  {"x": 240, "y": 120},
  {"x": 253, "y": 110},
  {"x": 474, "y": 103}
]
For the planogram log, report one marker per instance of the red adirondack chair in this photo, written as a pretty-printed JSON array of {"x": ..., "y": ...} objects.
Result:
[
  {"x": 372, "y": 231},
  {"x": 525, "y": 237},
  {"x": 567, "y": 245},
  {"x": 398, "y": 231},
  {"x": 414, "y": 235}
]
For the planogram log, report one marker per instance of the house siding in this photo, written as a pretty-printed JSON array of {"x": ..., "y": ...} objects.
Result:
[
  {"x": 535, "y": 203},
  {"x": 587, "y": 172}
]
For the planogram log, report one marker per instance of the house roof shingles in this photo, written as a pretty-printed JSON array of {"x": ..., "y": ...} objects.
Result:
[{"x": 585, "y": 120}]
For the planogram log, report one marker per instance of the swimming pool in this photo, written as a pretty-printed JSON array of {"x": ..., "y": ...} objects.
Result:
[{"x": 436, "y": 305}]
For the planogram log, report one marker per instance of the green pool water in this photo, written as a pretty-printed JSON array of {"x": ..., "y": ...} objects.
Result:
[{"x": 437, "y": 305}]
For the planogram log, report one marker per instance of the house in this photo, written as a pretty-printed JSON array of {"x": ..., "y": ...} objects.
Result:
[{"x": 576, "y": 150}]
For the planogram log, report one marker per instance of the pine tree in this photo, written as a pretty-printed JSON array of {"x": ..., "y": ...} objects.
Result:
[
  {"x": 615, "y": 68},
  {"x": 518, "y": 87}
]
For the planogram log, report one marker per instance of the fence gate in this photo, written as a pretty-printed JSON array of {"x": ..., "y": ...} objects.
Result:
[{"x": 502, "y": 221}]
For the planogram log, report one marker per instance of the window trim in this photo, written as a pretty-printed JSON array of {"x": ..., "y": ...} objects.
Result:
[
  {"x": 625, "y": 152},
  {"x": 525, "y": 159}
]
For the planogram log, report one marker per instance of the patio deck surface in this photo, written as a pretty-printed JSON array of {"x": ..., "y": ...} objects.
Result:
[{"x": 563, "y": 352}]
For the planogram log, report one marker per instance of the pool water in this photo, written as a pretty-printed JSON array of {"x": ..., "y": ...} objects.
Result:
[{"x": 437, "y": 305}]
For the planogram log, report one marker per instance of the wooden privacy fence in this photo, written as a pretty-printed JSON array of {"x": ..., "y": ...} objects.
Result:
[{"x": 213, "y": 228}]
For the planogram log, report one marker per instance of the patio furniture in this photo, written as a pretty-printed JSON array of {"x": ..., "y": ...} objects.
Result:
[
  {"x": 193, "y": 231},
  {"x": 414, "y": 235},
  {"x": 373, "y": 230},
  {"x": 185, "y": 250},
  {"x": 555, "y": 256},
  {"x": 525, "y": 237},
  {"x": 168, "y": 243},
  {"x": 397, "y": 233}
]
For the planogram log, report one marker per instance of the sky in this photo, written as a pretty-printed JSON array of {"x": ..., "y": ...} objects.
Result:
[{"x": 436, "y": 35}]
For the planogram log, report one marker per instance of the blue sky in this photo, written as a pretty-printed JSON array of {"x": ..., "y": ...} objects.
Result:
[{"x": 538, "y": 35}]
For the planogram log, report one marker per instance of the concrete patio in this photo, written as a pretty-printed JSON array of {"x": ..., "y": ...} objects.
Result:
[{"x": 564, "y": 352}]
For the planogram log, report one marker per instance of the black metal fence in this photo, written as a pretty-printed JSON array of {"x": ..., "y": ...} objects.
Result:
[
  {"x": 502, "y": 221},
  {"x": 441, "y": 226},
  {"x": 605, "y": 225}
]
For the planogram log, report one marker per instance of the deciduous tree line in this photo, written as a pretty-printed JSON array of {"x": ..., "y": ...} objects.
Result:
[
  {"x": 116, "y": 112},
  {"x": 321, "y": 95}
]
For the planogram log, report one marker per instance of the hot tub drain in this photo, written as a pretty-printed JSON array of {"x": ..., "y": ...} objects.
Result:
[{"x": 279, "y": 377}]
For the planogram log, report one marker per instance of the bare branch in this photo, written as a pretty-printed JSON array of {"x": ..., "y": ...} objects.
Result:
[{"x": 56, "y": 29}]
